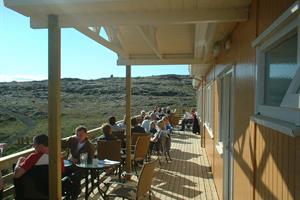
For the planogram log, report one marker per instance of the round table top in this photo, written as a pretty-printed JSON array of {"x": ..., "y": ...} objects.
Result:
[
  {"x": 100, "y": 164},
  {"x": 67, "y": 163}
]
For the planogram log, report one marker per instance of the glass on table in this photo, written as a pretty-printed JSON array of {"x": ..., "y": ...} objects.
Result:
[{"x": 83, "y": 158}]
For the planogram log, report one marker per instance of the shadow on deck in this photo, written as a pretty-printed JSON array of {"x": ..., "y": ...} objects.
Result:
[{"x": 187, "y": 176}]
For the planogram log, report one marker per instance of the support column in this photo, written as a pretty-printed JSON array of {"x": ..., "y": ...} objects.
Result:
[
  {"x": 128, "y": 118},
  {"x": 54, "y": 129},
  {"x": 203, "y": 101}
]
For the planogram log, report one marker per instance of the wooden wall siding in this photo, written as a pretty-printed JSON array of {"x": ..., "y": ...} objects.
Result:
[
  {"x": 269, "y": 10},
  {"x": 218, "y": 160},
  {"x": 278, "y": 159},
  {"x": 209, "y": 147},
  {"x": 274, "y": 156}
]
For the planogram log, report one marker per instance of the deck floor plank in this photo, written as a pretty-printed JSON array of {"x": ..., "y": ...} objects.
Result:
[{"x": 187, "y": 176}]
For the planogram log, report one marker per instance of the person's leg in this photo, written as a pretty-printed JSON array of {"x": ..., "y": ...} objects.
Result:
[
  {"x": 1, "y": 194},
  {"x": 183, "y": 122}
]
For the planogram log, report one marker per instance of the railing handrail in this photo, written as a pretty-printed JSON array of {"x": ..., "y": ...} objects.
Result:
[{"x": 6, "y": 162}]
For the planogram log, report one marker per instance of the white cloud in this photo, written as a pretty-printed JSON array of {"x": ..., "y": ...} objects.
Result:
[{"x": 21, "y": 77}]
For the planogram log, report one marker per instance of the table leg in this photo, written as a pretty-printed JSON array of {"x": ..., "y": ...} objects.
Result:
[{"x": 87, "y": 185}]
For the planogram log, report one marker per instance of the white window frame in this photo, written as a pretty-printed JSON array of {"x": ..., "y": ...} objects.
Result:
[
  {"x": 289, "y": 110},
  {"x": 209, "y": 111},
  {"x": 200, "y": 103}
]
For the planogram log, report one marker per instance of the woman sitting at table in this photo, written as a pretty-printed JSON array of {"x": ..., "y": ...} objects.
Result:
[
  {"x": 107, "y": 133},
  {"x": 152, "y": 128}
]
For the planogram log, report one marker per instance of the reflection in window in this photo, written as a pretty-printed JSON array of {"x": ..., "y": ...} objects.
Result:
[{"x": 281, "y": 66}]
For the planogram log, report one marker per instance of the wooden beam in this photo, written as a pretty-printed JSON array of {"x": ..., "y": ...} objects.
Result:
[
  {"x": 96, "y": 37},
  {"x": 149, "y": 35},
  {"x": 128, "y": 118},
  {"x": 114, "y": 37},
  {"x": 180, "y": 60},
  {"x": 202, "y": 15},
  {"x": 200, "y": 40},
  {"x": 54, "y": 129}
]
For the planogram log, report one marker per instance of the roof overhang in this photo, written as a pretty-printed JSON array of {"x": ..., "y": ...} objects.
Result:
[{"x": 143, "y": 32}]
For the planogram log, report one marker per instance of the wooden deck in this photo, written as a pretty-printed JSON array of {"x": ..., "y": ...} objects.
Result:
[{"x": 188, "y": 175}]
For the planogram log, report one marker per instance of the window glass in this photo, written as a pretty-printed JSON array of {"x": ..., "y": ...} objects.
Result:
[{"x": 281, "y": 66}]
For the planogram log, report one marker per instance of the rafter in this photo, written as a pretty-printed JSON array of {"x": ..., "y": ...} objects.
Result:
[
  {"x": 113, "y": 36},
  {"x": 149, "y": 35},
  {"x": 200, "y": 42},
  {"x": 96, "y": 37}
]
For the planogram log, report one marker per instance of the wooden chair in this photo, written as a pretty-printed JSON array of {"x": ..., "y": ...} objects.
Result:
[
  {"x": 139, "y": 191},
  {"x": 34, "y": 184},
  {"x": 135, "y": 136},
  {"x": 109, "y": 149},
  {"x": 141, "y": 150}
]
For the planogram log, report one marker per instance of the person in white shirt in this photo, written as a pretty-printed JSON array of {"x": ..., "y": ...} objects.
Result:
[
  {"x": 146, "y": 123},
  {"x": 112, "y": 122},
  {"x": 187, "y": 118}
]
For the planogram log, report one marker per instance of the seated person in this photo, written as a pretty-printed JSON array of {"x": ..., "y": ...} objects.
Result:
[
  {"x": 153, "y": 117},
  {"x": 107, "y": 133},
  {"x": 1, "y": 186},
  {"x": 113, "y": 125},
  {"x": 146, "y": 123},
  {"x": 168, "y": 126},
  {"x": 187, "y": 118},
  {"x": 80, "y": 144},
  {"x": 122, "y": 124},
  {"x": 136, "y": 128},
  {"x": 152, "y": 128},
  {"x": 39, "y": 158}
]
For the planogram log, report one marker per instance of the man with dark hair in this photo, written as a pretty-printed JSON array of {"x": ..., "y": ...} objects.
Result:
[
  {"x": 31, "y": 173},
  {"x": 39, "y": 157},
  {"x": 112, "y": 122},
  {"x": 80, "y": 144}
]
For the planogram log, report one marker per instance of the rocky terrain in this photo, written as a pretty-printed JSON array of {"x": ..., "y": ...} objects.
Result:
[{"x": 23, "y": 108}]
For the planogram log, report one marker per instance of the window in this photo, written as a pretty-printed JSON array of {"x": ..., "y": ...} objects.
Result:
[
  {"x": 278, "y": 71},
  {"x": 209, "y": 109}
]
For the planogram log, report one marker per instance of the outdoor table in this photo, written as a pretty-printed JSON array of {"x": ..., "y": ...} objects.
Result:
[
  {"x": 68, "y": 163},
  {"x": 95, "y": 167}
]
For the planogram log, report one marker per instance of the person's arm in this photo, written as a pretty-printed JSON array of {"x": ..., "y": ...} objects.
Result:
[
  {"x": 91, "y": 152},
  {"x": 19, "y": 171}
]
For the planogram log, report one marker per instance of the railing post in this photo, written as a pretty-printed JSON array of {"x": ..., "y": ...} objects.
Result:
[
  {"x": 54, "y": 129},
  {"x": 128, "y": 118}
]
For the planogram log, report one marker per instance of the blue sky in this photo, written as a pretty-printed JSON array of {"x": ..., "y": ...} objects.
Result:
[{"x": 24, "y": 56}]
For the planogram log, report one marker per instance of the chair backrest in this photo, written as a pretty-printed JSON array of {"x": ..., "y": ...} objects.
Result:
[
  {"x": 145, "y": 179},
  {"x": 33, "y": 184},
  {"x": 141, "y": 147},
  {"x": 109, "y": 149},
  {"x": 119, "y": 134},
  {"x": 135, "y": 136}
]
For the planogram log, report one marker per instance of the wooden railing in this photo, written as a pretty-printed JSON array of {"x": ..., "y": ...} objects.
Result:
[{"x": 6, "y": 162}]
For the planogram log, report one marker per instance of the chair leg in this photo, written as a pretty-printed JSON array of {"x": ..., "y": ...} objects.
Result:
[
  {"x": 169, "y": 156},
  {"x": 150, "y": 194}
]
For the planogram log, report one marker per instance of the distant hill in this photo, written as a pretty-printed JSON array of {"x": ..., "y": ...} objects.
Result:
[{"x": 23, "y": 108}]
